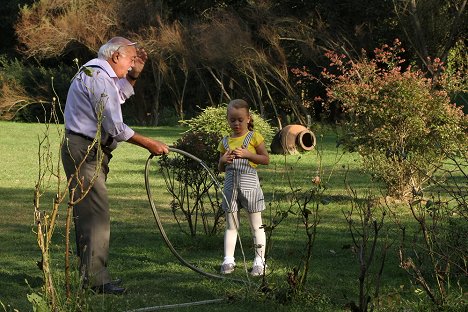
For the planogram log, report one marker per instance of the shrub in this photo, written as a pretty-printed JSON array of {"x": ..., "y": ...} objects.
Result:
[
  {"x": 213, "y": 120},
  {"x": 201, "y": 144},
  {"x": 194, "y": 195},
  {"x": 434, "y": 254},
  {"x": 395, "y": 118}
]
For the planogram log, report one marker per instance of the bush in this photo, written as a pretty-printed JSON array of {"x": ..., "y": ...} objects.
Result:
[
  {"x": 202, "y": 145},
  {"x": 194, "y": 194},
  {"x": 213, "y": 120},
  {"x": 396, "y": 119}
]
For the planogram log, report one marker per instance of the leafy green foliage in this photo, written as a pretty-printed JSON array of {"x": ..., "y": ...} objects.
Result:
[
  {"x": 399, "y": 121},
  {"x": 203, "y": 145},
  {"x": 213, "y": 120},
  {"x": 38, "y": 303},
  {"x": 456, "y": 79}
]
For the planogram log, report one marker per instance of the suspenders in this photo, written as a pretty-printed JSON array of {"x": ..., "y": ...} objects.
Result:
[{"x": 240, "y": 164}]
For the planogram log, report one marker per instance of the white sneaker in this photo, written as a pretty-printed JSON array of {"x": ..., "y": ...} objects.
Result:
[
  {"x": 227, "y": 268},
  {"x": 257, "y": 270}
]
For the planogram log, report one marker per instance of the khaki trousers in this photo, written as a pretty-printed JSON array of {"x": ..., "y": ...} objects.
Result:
[{"x": 91, "y": 213}]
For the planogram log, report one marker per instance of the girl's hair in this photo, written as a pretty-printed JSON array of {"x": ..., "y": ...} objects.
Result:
[{"x": 238, "y": 103}]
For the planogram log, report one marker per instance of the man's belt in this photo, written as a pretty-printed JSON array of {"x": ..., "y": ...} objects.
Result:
[{"x": 108, "y": 142}]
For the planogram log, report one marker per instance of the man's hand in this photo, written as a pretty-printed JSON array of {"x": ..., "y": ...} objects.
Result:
[
  {"x": 153, "y": 146},
  {"x": 158, "y": 148},
  {"x": 140, "y": 61}
]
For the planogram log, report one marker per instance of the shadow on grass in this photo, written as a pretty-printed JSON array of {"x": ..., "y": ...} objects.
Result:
[{"x": 152, "y": 274}]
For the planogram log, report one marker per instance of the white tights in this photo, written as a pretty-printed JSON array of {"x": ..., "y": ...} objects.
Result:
[{"x": 230, "y": 237}]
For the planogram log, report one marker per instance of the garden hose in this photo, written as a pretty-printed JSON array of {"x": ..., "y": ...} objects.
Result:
[
  {"x": 178, "y": 305},
  {"x": 159, "y": 223}
]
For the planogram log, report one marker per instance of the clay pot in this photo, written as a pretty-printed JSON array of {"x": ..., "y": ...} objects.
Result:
[{"x": 293, "y": 139}]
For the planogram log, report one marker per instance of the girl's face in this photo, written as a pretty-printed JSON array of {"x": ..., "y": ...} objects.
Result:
[{"x": 238, "y": 119}]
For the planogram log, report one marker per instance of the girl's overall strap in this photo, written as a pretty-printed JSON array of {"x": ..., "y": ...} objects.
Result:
[
  {"x": 247, "y": 139},
  {"x": 246, "y": 142},
  {"x": 225, "y": 142}
]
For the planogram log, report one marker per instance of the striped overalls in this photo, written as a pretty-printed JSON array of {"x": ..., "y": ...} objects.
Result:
[{"x": 241, "y": 184}]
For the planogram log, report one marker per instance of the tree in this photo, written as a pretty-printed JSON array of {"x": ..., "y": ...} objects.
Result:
[
  {"x": 432, "y": 27},
  {"x": 205, "y": 52},
  {"x": 206, "y": 48}
]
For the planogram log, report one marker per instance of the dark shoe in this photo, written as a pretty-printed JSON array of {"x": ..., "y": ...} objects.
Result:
[
  {"x": 109, "y": 288},
  {"x": 117, "y": 281}
]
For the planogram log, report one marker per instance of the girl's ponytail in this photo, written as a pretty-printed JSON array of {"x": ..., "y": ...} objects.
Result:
[{"x": 250, "y": 125}]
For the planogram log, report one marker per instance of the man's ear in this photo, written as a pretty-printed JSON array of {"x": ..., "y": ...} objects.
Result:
[{"x": 115, "y": 57}]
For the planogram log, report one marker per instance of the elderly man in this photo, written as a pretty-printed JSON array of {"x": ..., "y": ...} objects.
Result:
[{"x": 93, "y": 111}]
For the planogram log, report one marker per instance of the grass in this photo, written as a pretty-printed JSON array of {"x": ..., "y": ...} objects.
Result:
[{"x": 152, "y": 275}]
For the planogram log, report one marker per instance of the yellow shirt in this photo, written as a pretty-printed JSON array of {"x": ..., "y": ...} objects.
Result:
[{"x": 234, "y": 143}]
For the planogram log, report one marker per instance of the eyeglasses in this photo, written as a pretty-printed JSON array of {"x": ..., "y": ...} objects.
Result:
[{"x": 133, "y": 58}]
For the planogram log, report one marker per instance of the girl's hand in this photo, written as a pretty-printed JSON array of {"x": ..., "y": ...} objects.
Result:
[
  {"x": 227, "y": 157},
  {"x": 241, "y": 152}
]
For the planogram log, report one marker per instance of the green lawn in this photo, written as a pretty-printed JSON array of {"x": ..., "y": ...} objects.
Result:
[{"x": 152, "y": 275}]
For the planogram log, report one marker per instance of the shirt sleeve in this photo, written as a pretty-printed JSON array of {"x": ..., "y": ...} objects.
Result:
[
  {"x": 221, "y": 148},
  {"x": 257, "y": 139},
  {"x": 125, "y": 88}
]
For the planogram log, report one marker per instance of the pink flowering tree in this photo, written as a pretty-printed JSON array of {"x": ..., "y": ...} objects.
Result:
[{"x": 400, "y": 121}]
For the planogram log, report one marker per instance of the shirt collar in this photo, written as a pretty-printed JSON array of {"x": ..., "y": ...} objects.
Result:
[{"x": 104, "y": 65}]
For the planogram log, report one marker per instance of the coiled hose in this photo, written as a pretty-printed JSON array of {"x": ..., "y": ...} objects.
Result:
[{"x": 159, "y": 223}]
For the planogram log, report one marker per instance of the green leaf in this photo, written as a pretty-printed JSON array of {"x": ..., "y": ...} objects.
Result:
[
  {"x": 38, "y": 303},
  {"x": 88, "y": 71}
]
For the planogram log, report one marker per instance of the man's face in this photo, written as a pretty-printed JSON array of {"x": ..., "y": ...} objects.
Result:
[{"x": 124, "y": 60}]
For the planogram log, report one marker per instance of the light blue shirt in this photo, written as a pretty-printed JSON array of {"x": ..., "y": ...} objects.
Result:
[{"x": 88, "y": 96}]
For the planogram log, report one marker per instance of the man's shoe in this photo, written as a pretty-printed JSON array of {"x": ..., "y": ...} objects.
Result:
[
  {"x": 109, "y": 288},
  {"x": 117, "y": 281}
]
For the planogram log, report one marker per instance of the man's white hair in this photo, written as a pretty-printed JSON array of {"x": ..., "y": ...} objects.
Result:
[{"x": 106, "y": 50}]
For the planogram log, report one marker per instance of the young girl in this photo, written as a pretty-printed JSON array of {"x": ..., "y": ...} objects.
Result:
[{"x": 240, "y": 153}]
